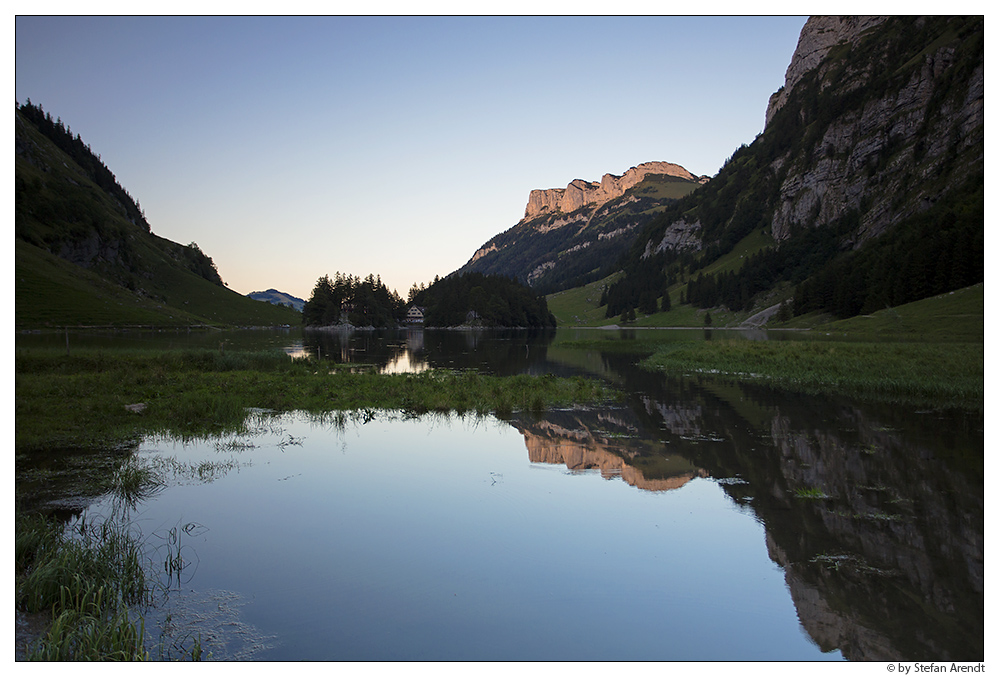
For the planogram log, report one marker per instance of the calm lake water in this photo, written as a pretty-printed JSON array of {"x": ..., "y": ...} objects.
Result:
[{"x": 698, "y": 519}]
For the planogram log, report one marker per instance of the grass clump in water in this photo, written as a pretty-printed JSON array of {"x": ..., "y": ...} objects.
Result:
[
  {"x": 88, "y": 581},
  {"x": 91, "y": 585},
  {"x": 938, "y": 373}
]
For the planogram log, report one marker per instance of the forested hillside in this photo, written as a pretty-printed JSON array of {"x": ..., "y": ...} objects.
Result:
[{"x": 868, "y": 182}]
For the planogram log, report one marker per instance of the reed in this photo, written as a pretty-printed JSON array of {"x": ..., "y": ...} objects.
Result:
[
  {"x": 87, "y": 579},
  {"x": 91, "y": 579}
]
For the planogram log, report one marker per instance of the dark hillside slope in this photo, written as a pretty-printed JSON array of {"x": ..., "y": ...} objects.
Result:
[
  {"x": 869, "y": 178},
  {"x": 85, "y": 255}
]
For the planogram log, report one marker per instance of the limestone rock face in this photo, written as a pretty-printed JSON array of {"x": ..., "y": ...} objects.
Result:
[
  {"x": 890, "y": 148},
  {"x": 866, "y": 158},
  {"x": 819, "y": 35},
  {"x": 580, "y": 193},
  {"x": 680, "y": 235}
]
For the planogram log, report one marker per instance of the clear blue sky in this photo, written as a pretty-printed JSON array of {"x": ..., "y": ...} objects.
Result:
[{"x": 290, "y": 148}]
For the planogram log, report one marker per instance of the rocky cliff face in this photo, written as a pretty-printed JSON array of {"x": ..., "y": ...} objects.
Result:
[
  {"x": 896, "y": 143},
  {"x": 819, "y": 35},
  {"x": 573, "y": 235},
  {"x": 878, "y": 119},
  {"x": 580, "y": 193}
]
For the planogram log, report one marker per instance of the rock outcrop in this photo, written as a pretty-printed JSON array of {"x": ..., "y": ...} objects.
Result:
[
  {"x": 819, "y": 35},
  {"x": 893, "y": 145},
  {"x": 679, "y": 236},
  {"x": 580, "y": 192},
  {"x": 573, "y": 235},
  {"x": 858, "y": 131}
]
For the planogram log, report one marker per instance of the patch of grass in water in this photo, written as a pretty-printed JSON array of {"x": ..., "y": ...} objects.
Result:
[
  {"x": 850, "y": 563},
  {"x": 931, "y": 373},
  {"x": 88, "y": 581},
  {"x": 81, "y": 401},
  {"x": 92, "y": 582}
]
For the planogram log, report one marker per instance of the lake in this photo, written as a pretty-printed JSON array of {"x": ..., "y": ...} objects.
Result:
[{"x": 697, "y": 519}]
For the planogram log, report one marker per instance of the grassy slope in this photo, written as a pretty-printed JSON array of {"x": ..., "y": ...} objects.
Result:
[
  {"x": 51, "y": 292},
  {"x": 930, "y": 352},
  {"x": 579, "y": 307},
  {"x": 56, "y": 202},
  {"x": 956, "y": 315},
  {"x": 934, "y": 373}
]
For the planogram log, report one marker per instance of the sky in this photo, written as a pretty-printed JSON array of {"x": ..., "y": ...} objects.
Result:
[{"x": 289, "y": 148}]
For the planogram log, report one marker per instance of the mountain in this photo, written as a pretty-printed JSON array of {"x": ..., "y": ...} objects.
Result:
[
  {"x": 86, "y": 256},
  {"x": 278, "y": 298},
  {"x": 864, "y": 191},
  {"x": 574, "y": 235}
]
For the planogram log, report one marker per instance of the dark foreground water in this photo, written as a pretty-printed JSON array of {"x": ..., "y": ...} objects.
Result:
[{"x": 697, "y": 519}]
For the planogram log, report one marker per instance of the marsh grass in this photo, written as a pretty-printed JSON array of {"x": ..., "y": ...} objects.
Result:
[
  {"x": 933, "y": 373},
  {"x": 80, "y": 401},
  {"x": 133, "y": 482},
  {"x": 93, "y": 581},
  {"x": 811, "y": 493},
  {"x": 88, "y": 579}
]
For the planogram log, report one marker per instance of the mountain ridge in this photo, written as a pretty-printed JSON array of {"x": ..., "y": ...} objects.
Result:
[
  {"x": 580, "y": 192},
  {"x": 553, "y": 249},
  {"x": 278, "y": 298}
]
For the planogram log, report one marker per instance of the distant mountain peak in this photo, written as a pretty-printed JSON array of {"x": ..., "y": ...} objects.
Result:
[
  {"x": 580, "y": 192},
  {"x": 278, "y": 298}
]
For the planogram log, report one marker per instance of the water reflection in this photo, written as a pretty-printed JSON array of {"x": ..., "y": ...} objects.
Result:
[
  {"x": 874, "y": 512},
  {"x": 872, "y": 517},
  {"x": 606, "y": 440},
  {"x": 502, "y": 352}
]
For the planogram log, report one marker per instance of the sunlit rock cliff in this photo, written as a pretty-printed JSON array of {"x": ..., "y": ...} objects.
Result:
[
  {"x": 873, "y": 148},
  {"x": 819, "y": 35},
  {"x": 580, "y": 192},
  {"x": 573, "y": 235}
]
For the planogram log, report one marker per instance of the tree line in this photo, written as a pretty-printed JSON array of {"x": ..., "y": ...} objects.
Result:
[
  {"x": 939, "y": 250},
  {"x": 472, "y": 298},
  {"x": 347, "y": 299},
  {"x": 479, "y": 299}
]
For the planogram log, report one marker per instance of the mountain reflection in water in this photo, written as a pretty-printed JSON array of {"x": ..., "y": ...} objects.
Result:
[{"x": 874, "y": 513}]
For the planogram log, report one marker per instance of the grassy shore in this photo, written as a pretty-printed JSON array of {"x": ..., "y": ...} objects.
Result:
[
  {"x": 928, "y": 373},
  {"x": 82, "y": 401}
]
